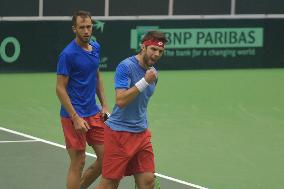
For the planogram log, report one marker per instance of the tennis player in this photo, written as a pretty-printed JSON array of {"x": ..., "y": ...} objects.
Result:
[
  {"x": 128, "y": 147},
  {"x": 78, "y": 83}
]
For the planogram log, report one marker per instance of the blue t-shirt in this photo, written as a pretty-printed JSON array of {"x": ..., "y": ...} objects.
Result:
[
  {"x": 81, "y": 67},
  {"x": 132, "y": 117}
]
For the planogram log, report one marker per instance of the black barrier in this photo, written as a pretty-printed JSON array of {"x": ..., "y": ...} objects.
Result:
[{"x": 193, "y": 44}]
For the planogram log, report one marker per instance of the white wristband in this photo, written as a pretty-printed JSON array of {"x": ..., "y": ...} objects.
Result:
[{"x": 141, "y": 84}]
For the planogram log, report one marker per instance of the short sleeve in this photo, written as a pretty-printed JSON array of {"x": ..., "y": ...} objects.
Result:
[
  {"x": 122, "y": 79},
  {"x": 63, "y": 65}
]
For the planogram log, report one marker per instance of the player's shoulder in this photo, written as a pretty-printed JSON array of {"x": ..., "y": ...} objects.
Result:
[
  {"x": 124, "y": 65},
  {"x": 95, "y": 44},
  {"x": 69, "y": 49},
  {"x": 128, "y": 61}
]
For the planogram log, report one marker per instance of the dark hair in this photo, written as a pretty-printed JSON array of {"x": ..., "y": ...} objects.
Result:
[
  {"x": 81, "y": 13},
  {"x": 154, "y": 35}
]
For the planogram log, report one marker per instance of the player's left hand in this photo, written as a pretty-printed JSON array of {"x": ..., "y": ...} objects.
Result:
[{"x": 104, "y": 113}]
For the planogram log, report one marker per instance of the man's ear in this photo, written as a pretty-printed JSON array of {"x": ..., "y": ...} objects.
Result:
[
  {"x": 74, "y": 29},
  {"x": 142, "y": 47}
]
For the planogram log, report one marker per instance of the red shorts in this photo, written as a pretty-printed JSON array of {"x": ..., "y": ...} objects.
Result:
[
  {"x": 77, "y": 140},
  {"x": 127, "y": 153}
]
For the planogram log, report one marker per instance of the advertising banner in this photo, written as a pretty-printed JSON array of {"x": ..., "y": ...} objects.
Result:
[{"x": 192, "y": 44}]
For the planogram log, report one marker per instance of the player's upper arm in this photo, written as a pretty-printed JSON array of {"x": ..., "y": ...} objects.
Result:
[
  {"x": 119, "y": 93},
  {"x": 61, "y": 81},
  {"x": 122, "y": 78},
  {"x": 64, "y": 65}
]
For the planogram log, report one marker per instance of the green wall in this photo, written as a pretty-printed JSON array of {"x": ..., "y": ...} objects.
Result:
[{"x": 193, "y": 44}]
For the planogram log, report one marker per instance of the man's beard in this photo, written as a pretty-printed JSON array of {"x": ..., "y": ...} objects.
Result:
[
  {"x": 147, "y": 60},
  {"x": 85, "y": 39}
]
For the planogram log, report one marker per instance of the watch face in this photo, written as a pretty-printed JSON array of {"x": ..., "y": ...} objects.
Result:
[{"x": 106, "y": 116}]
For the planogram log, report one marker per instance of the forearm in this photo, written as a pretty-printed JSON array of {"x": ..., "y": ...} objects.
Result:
[
  {"x": 100, "y": 90},
  {"x": 124, "y": 97},
  {"x": 78, "y": 122},
  {"x": 65, "y": 100},
  {"x": 101, "y": 94}
]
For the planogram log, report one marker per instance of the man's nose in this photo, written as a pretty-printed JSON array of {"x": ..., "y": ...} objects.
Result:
[
  {"x": 86, "y": 30},
  {"x": 157, "y": 53}
]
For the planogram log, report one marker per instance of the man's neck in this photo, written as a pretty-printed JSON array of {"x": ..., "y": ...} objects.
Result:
[
  {"x": 141, "y": 61},
  {"x": 84, "y": 45}
]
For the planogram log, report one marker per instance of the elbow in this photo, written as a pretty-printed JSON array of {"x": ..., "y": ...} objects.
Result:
[
  {"x": 58, "y": 91},
  {"x": 120, "y": 103}
]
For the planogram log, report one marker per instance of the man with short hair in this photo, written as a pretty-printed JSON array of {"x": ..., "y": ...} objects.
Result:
[
  {"x": 78, "y": 83},
  {"x": 128, "y": 148}
]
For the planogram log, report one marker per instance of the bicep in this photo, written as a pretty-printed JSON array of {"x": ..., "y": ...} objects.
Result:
[
  {"x": 62, "y": 81},
  {"x": 98, "y": 78},
  {"x": 119, "y": 93},
  {"x": 98, "y": 74}
]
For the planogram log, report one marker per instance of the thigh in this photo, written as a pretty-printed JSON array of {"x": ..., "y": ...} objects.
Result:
[
  {"x": 115, "y": 159},
  {"x": 143, "y": 161},
  {"x": 99, "y": 150},
  {"x": 95, "y": 134},
  {"x": 73, "y": 139}
]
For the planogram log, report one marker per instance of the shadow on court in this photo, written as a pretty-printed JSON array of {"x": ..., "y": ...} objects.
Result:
[{"x": 28, "y": 163}]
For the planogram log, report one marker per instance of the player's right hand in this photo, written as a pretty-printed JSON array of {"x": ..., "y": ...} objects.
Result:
[
  {"x": 151, "y": 76},
  {"x": 80, "y": 124}
]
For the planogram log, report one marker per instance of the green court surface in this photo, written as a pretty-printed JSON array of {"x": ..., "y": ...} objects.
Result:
[{"x": 221, "y": 129}]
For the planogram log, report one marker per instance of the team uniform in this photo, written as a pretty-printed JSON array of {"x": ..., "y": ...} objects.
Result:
[
  {"x": 128, "y": 148},
  {"x": 81, "y": 67}
]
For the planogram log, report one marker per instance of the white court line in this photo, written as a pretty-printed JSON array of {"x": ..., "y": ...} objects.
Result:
[
  {"x": 17, "y": 141},
  {"x": 93, "y": 155}
]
